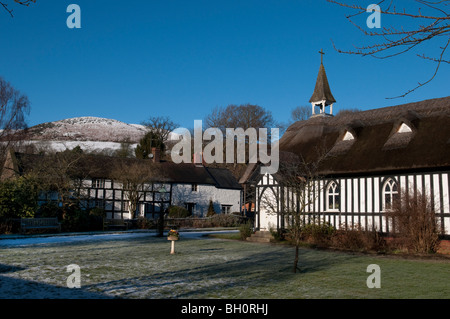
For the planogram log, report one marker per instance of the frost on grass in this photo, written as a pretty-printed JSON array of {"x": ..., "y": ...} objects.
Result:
[
  {"x": 133, "y": 267},
  {"x": 141, "y": 267}
]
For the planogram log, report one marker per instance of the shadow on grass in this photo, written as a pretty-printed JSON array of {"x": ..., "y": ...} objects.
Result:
[
  {"x": 8, "y": 268},
  {"x": 15, "y": 288},
  {"x": 261, "y": 269}
]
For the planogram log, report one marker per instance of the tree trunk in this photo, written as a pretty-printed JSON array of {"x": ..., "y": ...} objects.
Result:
[{"x": 296, "y": 258}]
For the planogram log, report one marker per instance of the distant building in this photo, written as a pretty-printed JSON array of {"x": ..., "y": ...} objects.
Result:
[
  {"x": 370, "y": 157},
  {"x": 192, "y": 186}
]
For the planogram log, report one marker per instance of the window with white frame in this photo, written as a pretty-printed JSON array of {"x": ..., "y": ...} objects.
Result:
[
  {"x": 194, "y": 187},
  {"x": 333, "y": 197},
  {"x": 226, "y": 209},
  {"x": 98, "y": 183},
  {"x": 390, "y": 193}
]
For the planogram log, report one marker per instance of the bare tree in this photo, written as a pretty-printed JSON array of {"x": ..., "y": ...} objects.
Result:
[
  {"x": 26, "y": 3},
  {"x": 300, "y": 184},
  {"x": 13, "y": 107},
  {"x": 237, "y": 117},
  {"x": 430, "y": 22},
  {"x": 301, "y": 113},
  {"x": 160, "y": 125},
  {"x": 136, "y": 177},
  {"x": 62, "y": 177},
  {"x": 243, "y": 116}
]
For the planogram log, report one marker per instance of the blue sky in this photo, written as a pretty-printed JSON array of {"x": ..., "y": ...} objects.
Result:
[{"x": 135, "y": 59}]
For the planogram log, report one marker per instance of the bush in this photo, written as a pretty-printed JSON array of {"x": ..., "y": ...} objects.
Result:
[
  {"x": 145, "y": 223},
  {"x": 414, "y": 223},
  {"x": 50, "y": 209},
  {"x": 355, "y": 238},
  {"x": 211, "y": 211},
  {"x": 224, "y": 220},
  {"x": 317, "y": 233},
  {"x": 178, "y": 212},
  {"x": 245, "y": 230},
  {"x": 18, "y": 198},
  {"x": 75, "y": 219}
]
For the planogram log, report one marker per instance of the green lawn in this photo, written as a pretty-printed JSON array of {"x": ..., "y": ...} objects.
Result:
[{"x": 210, "y": 268}]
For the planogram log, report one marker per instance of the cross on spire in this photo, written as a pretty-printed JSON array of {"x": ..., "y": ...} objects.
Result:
[{"x": 321, "y": 56}]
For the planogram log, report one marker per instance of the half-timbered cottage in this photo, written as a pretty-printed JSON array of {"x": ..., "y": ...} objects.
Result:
[{"x": 95, "y": 183}]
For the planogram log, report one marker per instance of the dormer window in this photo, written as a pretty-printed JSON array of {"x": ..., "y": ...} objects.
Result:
[
  {"x": 404, "y": 129},
  {"x": 348, "y": 136}
]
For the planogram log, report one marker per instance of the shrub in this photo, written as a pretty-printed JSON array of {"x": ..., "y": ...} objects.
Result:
[
  {"x": 356, "y": 238},
  {"x": 75, "y": 219},
  {"x": 224, "y": 220},
  {"x": 50, "y": 209},
  {"x": 245, "y": 230},
  {"x": 145, "y": 223},
  {"x": 211, "y": 211},
  {"x": 414, "y": 223},
  {"x": 178, "y": 212},
  {"x": 318, "y": 233},
  {"x": 18, "y": 198}
]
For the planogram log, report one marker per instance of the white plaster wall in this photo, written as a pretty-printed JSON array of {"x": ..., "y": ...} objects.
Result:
[{"x": 182, "y": 193}]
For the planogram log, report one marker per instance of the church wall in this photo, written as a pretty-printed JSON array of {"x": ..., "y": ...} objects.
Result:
[{"x": 362, "y": 199}]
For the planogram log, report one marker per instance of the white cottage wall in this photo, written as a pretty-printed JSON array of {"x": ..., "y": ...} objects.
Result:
[{"x": 183, "y": 193}]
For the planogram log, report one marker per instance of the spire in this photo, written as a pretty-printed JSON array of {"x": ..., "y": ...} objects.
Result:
[{"x": 322, "y": 94}]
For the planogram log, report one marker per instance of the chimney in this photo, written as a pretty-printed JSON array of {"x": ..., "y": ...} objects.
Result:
[{"x": 156, "y": 152}]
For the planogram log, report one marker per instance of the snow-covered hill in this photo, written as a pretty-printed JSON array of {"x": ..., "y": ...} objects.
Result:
[
  {"x": 87, "y": 129},
  {"x": 90, "y": 133}
]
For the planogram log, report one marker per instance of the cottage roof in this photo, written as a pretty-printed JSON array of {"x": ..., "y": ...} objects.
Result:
[
  {"x": 376, "y": 144},
  {"x": 97, "y": 166}
]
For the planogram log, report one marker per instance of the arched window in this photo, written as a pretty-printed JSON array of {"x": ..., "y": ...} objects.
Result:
[
  {"x": 390, "y": 193},
  {"x": 333, "y": 197}
]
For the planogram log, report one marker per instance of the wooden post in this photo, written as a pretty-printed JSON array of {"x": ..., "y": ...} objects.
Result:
[{"x": 172, "y": 251}]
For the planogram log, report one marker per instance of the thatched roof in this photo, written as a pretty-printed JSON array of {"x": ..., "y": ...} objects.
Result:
[{"x": 373, "y": 144}]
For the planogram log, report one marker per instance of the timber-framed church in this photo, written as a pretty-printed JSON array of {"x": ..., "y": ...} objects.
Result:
[{"x": 371, "y": 157}]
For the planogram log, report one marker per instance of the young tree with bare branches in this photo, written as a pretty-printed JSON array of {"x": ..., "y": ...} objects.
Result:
[
  {"x": 428, "y": 24},
  {"x": 300, "y": 184},
  {"x": 136, "y": 177}
]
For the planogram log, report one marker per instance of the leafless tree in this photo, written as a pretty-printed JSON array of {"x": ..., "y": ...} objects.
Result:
[
  {"x": 160, "y": 125},
  {"x": 243, "y": 116},
  {"x": 5, "y": 4},
  {"x": 62, "y": 177},
  {"x": 301, "y": 113},
  {"x": 300, "y": 184},
  {"x": 136, "y": 177},
  {"x": 13, "y": 107},
  {"x": 429, "y": 22}
]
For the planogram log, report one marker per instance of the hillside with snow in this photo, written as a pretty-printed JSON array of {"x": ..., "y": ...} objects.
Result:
[
  {"x": 92, "y": 134},
  {"x": 87, "y": 129}
]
